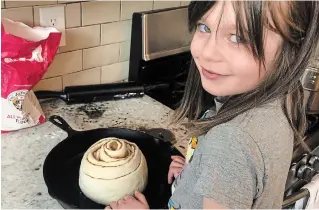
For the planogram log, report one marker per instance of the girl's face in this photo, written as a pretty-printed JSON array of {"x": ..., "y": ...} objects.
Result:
[{"x": 225, "y": 64}]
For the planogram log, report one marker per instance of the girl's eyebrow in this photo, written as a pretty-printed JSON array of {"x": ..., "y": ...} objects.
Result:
[{"x": 231, "y": 26}]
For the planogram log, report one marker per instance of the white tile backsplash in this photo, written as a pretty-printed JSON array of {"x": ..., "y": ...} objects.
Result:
[
  {"x": 129, "y": 7},
  {"x": 100, "y": 56},
  {"x": 97, "y": 12},
  {"x": 116, "y": 32},
  {"x": 22, "y": 14},
  {"x": 185, "y": 2},
  {"x": 54, "y": 84},
  {"x": 65, "y": 63},
  {"x": 115, "y": 72},
  {"x": 25, "y": 3},
  {"x": 86, "y": 77},
  {"x": 73, "y": 15},
  {"x": 82, "y": 37},
  {"x": 162, "y": 4},
  {"x": 125, "y": 51}
]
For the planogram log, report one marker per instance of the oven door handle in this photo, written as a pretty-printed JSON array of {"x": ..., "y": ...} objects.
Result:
[{"x": 292, "y": 199}]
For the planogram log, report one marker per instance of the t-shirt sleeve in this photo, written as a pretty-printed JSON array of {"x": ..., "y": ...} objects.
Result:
[{"x": 231, "y": 167}]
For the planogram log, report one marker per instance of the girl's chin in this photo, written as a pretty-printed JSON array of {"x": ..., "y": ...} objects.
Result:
[
  {"x": 222, "y": 88},
  {"x": 214, "y": 90}
]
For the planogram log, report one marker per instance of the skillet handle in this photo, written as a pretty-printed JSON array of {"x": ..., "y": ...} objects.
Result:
[
  {"x": 174, "y": 151},
  {"x": 61, "y": 123}
]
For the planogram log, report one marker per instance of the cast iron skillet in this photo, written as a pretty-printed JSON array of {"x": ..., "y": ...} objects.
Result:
[{"x": 61, "y": 166}]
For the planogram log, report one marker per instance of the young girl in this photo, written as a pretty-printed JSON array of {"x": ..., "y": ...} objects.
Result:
[{"x": 250, "y": 55}]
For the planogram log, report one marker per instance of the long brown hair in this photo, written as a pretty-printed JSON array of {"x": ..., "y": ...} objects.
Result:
[{"x": 298, "y": 24}]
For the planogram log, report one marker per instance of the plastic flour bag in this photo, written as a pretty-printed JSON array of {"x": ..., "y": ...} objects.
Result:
[{"x": 26, "y": 54}]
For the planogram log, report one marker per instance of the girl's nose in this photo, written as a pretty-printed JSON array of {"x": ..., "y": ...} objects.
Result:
[{"x": 211, "y": 50}]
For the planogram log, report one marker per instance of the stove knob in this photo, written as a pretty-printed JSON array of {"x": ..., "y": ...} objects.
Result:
[
  {"x": 314, "y": 163},
  {"x": 304, "y": 159},
  {"x": 305, "y": 172},
  {"x": 300, "y": 171},
  {"x": 292, "y": 177},
  {"x": 308, "y": 174}
]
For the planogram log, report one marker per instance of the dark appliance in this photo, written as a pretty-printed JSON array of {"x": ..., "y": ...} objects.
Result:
[{"x": 160, "y": 52}]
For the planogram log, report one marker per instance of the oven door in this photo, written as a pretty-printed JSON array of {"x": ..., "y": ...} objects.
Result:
[{"x": 304, "y": 169}]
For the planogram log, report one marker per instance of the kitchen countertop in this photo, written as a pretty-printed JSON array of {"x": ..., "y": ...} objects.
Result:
[{"x": 23, "y": 152}]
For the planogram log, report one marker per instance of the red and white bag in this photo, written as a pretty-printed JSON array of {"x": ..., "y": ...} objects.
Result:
[{"x": 26, "y": 54}]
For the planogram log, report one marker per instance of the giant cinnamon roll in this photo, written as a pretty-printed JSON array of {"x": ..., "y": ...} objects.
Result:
[{"x": 112, "y": 168}]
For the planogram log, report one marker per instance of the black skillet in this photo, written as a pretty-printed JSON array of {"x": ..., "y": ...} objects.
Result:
[{"x": 61, "y": 166}]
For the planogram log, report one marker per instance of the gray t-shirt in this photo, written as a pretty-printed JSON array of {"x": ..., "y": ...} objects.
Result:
[{"x": 240, "y": 164}]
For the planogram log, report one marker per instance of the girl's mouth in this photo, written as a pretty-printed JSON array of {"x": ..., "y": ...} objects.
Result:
[{"x": 210, "y": 75}]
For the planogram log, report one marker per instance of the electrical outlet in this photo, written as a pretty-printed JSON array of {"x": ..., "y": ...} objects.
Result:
[
  {"x": 53, "y": 22},
  {"x": 53, "y": 17}
]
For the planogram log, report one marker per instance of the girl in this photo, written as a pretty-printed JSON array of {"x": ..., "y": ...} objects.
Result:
[{"x": 251, "y": 56}]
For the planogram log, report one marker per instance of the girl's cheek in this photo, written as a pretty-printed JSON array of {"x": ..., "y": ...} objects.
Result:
[
  {"x": 196, "y": 46},
  {"x": 192, "y": 47}
]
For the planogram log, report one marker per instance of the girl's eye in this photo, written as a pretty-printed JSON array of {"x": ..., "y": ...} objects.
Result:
[
  {"x": 203, "y": 28},
  {"x": 236, "y": 39}
]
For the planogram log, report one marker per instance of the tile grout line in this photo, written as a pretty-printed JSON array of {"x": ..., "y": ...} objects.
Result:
[
  {"x": 101, "y": 75},
  {"x": 93, "y": 47},
  {"x": 33, "y": 24},
  {"x": 81, "y": 14},
  {"x": 82, "y": 51},
  {"x": 60, "y": 75},
  {"x": 65, "y": 20}
]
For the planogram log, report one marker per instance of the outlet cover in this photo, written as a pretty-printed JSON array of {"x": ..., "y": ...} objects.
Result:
[{"x": 53, "y": 17}]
